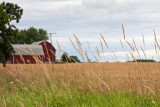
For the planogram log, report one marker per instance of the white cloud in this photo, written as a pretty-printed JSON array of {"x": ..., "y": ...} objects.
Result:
[
  {"x": 99, "y": 4},
  {"x": 127, "y": 55}
]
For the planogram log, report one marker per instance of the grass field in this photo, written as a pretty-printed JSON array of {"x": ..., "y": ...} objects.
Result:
[{"x": 81, "y": 84}]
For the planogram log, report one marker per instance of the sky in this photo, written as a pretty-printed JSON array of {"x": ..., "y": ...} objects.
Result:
[{"x": 88, "y": 18}]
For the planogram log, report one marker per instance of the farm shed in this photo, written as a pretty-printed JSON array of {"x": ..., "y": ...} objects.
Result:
[{"x": 41, "y": 50}]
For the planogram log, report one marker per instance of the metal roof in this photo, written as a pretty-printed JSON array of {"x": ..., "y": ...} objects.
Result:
[
  {"x": 28, "y": 49},
  {"x": 38, "y": 42}
]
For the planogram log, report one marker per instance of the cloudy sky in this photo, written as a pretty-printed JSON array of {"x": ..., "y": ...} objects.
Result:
[{"x": 87, "y": 18}]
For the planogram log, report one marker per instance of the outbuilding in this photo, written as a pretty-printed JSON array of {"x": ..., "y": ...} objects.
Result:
[{"x": 37, "y": 52}]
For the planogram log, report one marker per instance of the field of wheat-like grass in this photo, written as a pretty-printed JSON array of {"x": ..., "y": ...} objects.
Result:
[
  {"x": 142, "y": 78},
  {"x": 100, "y": 84}
]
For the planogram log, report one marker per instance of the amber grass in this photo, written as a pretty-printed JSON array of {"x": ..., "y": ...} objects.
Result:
[
  {"x": 65, "y": 87},
  {"x": 88, "y": 45},
  {"x": 104, "y": 40},
  {"x": 106, "y": 44},
  {"x": 80, "y": 52}
]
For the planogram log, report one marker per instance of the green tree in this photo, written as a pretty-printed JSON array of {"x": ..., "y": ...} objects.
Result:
[
  {"x": 71, "y": 59},
  {"x": 30, "y": 35},
  {"x": 144, "y": 60},
  {"x": 65, "y": 57},
  {"x": 8, "y": 13},
  {"x": 74, "y": 59}
]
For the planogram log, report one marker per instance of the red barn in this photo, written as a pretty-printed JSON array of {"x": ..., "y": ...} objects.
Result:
[{"x": 41, "y": 51}]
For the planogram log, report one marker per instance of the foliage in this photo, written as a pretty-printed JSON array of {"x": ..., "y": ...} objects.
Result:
[
  {"x": 71, "y": 59},
  {"x": 30, "y": 35},
  {"x": 77, "y": 99},
  {"x": 65, "y": 57},
  {"x": 144, "y": 60},
  {"x": 74, "y": 59},
  {"x": 8, "y": 13}
]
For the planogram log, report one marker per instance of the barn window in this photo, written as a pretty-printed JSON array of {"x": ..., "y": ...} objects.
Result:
[{"x": 28, "y": 60}]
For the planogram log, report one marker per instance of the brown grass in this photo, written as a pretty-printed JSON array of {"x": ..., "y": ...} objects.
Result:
[{"x": 117, "y": 77}]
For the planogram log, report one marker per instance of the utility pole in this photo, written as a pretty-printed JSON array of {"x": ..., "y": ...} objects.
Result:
[{"x": 50, "y": 34}]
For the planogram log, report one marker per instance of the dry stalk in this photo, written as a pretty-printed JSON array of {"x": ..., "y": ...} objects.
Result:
[
  {"x": 133, "y": 57},
  {"x": 88, "y": 45},
  {"x": 4, "y": 101},
  {"x": 155, "y": 47},
  {"x": 21, "y": 57},
  {"x": 156, "y": 40},
  {"x": 150, "y": 90},
  {"x": 66, "y": 56},
  {"x": 77, "y": 40},
  {"x": 122, "y": 44},
  {"x": 130, "y": 46},
  {"x": 33, "y": 53},
  {"x": 77, "y": 50},
  {"x": 101, "y": 45},
  {"x": 104, "y": 84},
  {"x": 96, "y": 58},
  {"x": 73, "y": 59},
  {"x": 20, "y": 82},
  {"x": 124, "y": 36},
  {"x": 46, "y": 98},
  {"x": 97, "y": 51},
  {"x": 143, "y": 41},
  {"x": 21, "y": 104},
  {"x": 136, "y": 47},
  {"x": 115, "y": 55},
  {"x": 47, "y": 54},
  {"x": 87, "y": 55},
  {"x": 59, "y": 52},
  {"x": 78, "y": 43},
  {"x": 104, "y": 40},
  {"x": 143, "y": 51}
]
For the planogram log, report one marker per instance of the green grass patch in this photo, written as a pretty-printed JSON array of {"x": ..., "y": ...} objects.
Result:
[{"x": 74, "y": 98}]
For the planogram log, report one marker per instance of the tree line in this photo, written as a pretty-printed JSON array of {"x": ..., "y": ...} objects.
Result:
[
  {"x": 29, "y": 36},
  {"x": 143, "y": 60}
]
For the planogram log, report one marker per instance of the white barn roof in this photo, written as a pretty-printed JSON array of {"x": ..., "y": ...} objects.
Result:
[
  {"x": 28, "y": 49},
  {"x": 38, "y": 42}
]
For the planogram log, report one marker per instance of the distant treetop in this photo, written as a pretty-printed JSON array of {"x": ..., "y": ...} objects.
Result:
[
  {"x": 143, "y": 60},
  {"x": 29, "y": 36}
]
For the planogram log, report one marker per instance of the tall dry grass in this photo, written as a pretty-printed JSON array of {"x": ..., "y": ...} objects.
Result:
[{"x": 104, "y": 77}]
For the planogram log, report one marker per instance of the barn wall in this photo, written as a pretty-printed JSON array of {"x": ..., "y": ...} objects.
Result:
[
  {"x": 27, "y": 59},
  {"x": 48, "y": 55}
]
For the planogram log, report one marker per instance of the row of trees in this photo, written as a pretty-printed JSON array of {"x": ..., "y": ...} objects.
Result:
[
  {"x": 29, "y": 36},
  {"x": 143, "y": 60}
]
